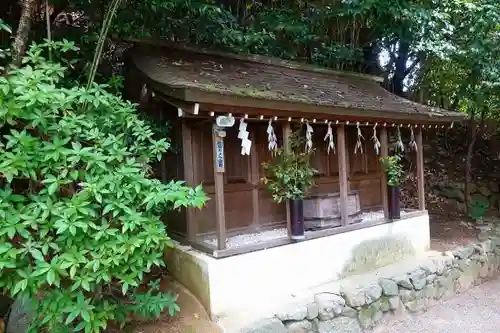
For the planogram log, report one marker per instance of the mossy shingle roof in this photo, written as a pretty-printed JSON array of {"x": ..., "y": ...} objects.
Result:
[{"x": 187, "y": 69}]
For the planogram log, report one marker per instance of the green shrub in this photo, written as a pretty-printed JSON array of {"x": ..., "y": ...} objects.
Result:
[
  {"x": 478, "y": 209},
  {"x": 393, "y": 167},
  {"x": 79, "y": 214},
  {"x": 289, "y": 175}
]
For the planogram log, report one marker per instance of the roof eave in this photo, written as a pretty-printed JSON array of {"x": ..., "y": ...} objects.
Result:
[{"x": 219, "y": 98}]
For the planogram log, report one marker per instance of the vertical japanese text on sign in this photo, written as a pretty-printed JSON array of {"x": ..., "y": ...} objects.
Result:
[{"x": 219, "y": 160}]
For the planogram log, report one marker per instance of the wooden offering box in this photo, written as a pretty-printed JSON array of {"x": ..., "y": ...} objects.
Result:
[{"x": 323, "y": 210}]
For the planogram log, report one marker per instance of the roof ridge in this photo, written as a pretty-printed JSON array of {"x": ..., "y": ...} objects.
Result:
[{"x": 265, "y": 60}]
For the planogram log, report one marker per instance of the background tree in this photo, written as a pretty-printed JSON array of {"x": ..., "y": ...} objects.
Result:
[{"x": 468, "y": 78}]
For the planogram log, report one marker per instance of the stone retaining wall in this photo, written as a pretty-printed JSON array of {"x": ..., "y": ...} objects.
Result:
[
  {"x": 359, "y": 310},
  {"x": 486, "y": 193}
]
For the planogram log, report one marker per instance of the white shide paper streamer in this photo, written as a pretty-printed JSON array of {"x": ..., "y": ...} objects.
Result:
[
  {"x": 246, "y": 143},
  {"x": 309, "y": 132},
  {"x": 359, "y": 144},
  {"x": 271, "y": 137},
  {"x": 330, "y": 143},
  {"x": 376, "y": 142},
  {"x": 412, "y": 144},
  {"x": 399, "y": 142}
]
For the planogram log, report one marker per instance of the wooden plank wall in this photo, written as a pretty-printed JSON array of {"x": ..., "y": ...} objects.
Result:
[{"x": 242, "y": 191}]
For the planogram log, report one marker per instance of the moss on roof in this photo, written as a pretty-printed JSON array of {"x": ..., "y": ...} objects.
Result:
[{"x": 250, "y": 77}]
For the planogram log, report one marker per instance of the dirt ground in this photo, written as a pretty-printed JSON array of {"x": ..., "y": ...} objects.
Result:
[
  {"x": 449, "y": 234},
  {"x": 449, "y": 228},
  {"x": 192, "y": 318}
]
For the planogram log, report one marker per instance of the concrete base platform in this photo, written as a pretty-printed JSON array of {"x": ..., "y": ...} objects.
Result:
[{"x": 276, "y": 276}]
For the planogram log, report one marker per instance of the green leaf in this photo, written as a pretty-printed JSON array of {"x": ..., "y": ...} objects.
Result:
[
  {"x": 107, "y": 209},
  {"x": 76, "y": 285},
  {"x": 71, "y": 317},
  {"x": 53, "y": 188},
  {"x": 74, "y": 175},
  {"x": 85, "y": 315},
  {"x": 51, "y": 277},
  {"x": 66, "y": 264},
  {"x": 5, "y": 247},
  {"x": 37, "y": 255},
  {"x": 41, "y": 271},
  {"x": 124, "y": 288},
  {"x": 95, "y": 266},
  {"x": 82, "y": 325},
  {"x": 72, "y": 271},
  {"x": 85, "y": 285},
  {"x": 20, "y": 286}
]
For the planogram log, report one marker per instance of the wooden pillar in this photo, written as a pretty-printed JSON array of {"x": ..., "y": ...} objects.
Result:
[
  {"x": 420, "y": 170},
  {"x": 384, "y": 151},
  {"x": 342, "y": 156},
  {"x": 255, "y": 179},
  {"x": 187, "y": 159},
  {"x": 287, "y": 131},
  {"x": 219, "y": 166},
  {"x": 163, "y": 162}
]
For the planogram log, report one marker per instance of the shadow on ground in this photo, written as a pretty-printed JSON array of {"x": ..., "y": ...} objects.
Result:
[{"x": 192, "y": 318}]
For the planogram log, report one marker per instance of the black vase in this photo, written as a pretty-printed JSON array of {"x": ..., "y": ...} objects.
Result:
[
  {"x": 297, "y": 219},
  {"x": 394, "y": 202}
]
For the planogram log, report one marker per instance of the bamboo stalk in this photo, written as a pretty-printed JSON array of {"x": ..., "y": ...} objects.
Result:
[
  {"x": 102, "y": 38},
  {"x": 49, "y": 32}
]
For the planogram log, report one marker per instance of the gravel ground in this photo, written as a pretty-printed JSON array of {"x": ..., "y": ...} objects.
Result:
[
  {"x": 251, "y": 238},
  {"x": 267, "y": 235},
  {"x": 476, "y": 311}
]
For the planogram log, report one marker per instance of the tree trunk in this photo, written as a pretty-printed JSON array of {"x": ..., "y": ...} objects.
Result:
[
  {"x": 400, "y": 68},
  {"x": 468, "y": 163},
  {"x": 23, "y": 30},
  {"x": 473, "y": 134},
  {"x": 370, "y": 63}
]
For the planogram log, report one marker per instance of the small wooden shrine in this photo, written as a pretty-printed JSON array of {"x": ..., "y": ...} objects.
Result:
[{"x": 347, "y": 118}]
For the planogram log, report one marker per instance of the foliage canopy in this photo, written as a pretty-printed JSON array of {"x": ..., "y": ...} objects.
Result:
[
  {"x": 443, "y": 53},
  {"x": 80, "y": 223}
]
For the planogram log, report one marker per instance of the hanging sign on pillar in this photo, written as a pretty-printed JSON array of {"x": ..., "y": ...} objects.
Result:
[
  {"x": 225, "y": 121},
  {"x": 219, "y": 135}
]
